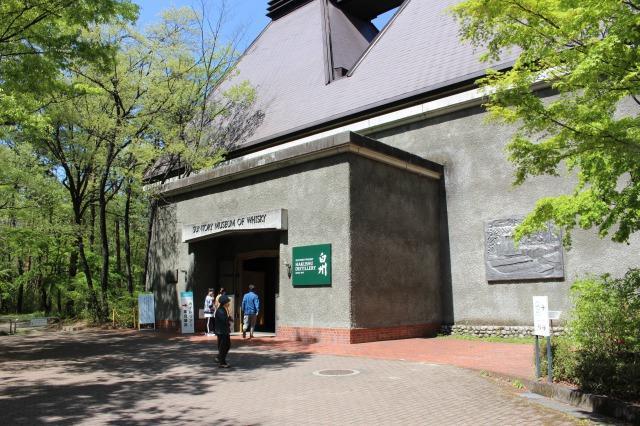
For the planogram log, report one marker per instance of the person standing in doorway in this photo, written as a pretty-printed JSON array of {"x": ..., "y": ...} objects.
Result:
[
  {"x": 223, "y": 332},
  {"x": 221, "y": 293},
  {"x": 209, "y": 311},
  {"x": 250, "y": 311}
]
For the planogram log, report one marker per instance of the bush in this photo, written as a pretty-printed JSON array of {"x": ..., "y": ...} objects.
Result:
[
  {"x": 601, "y": 352},
  {"x": 125, "y": 307},
  {"x": 564, "y": 359}
]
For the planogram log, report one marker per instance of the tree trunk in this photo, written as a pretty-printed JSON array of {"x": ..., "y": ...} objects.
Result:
[
  {"x": 102, "y": 206},
  {"x": 118, "y": 249},
  {"x": 92, "y": 232},
  {"x": 152, "y": 215},
  {"x": 44, "y": 306},
  {"x": 127, "y": 238},
  {"x": 104, "y": 273},
  {"x": 93, "y": 300},
  {"x": 73, "y": 264},
  {"x": 94, "y": 307},
  {"x": 59, "y": 302},
  {"x": 20, "y": 288}
]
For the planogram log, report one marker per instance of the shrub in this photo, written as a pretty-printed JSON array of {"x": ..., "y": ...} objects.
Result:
[
  {"x": 601, "y": 352},
  {"x": 125, "y": 307},
  {"x": 564, "y": 360}
]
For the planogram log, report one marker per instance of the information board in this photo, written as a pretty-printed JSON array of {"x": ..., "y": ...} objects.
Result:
[
  {"x": 146, "y": 309},
  {"x": 541, "y": 316},
  {"x": 38, "y": 322},
  {"x": 311, "y": 265},
  {"x": 186, "y": 312}
]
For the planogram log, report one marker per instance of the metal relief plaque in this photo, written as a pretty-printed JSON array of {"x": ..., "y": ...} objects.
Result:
[{"x": 538, "y": 256}]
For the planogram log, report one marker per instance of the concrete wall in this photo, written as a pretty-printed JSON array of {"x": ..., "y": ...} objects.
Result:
[
  {"x": 479, "y": 187},
  {"x": 316, "y": 196},
  {"x": 395, "y": 246}
]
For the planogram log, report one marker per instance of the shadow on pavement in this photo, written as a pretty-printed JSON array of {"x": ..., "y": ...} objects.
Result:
[{"x": 109, "y": 373}]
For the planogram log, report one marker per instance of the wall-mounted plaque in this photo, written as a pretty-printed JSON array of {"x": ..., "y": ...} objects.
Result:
[
  {"x": 311, "y": 265},
  {"x": 537, "y": 257}
]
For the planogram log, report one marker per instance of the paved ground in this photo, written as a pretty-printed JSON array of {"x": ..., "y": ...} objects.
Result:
[
  {"x": 124, "y": 378},
  {"x": 506, "y": 358}
]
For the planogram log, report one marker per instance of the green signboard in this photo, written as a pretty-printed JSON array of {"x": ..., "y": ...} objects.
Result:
[{"x": 312, "y": 265}]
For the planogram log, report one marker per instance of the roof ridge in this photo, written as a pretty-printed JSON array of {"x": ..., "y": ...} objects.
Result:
[{"x": 377, "y": 38}]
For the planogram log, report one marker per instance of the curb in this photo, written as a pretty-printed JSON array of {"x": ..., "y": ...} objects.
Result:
[{"x": 595, "y": 404}]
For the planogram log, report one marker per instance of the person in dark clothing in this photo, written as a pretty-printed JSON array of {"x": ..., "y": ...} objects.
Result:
[{"x": 223, "y": 332}]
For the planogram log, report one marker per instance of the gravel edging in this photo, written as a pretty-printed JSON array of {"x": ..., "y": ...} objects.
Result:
[{"x": 595, "y": 404}]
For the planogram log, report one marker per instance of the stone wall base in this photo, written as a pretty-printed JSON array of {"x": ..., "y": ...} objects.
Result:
[
  {"x": 356, "y": 335},
  {"x": 495, "y": 330}
]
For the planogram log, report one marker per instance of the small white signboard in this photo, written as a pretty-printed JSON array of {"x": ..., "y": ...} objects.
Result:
[
  {"x": 541, "y": 316},
  {"x": 146, "y": 309},
  {"x": 554, "y": 315},
  {"x": 186, "y": 312}
]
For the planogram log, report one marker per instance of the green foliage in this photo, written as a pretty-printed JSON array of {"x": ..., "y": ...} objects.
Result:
[
  {"x": 37, "y": 40},
  {"x": 124, "y": 310},
  {"x": 587, "y": 51},
  {"x": 601, "y": 352},
  {"x": 517, "y": 384},
  {"x": 83, "y": 115},
  {"x": 34, "y": 230}
]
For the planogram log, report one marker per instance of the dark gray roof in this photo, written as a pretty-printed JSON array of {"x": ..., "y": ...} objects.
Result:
[{"x": 418, "y": 51}]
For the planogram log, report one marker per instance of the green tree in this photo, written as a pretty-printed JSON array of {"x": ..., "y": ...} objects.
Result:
[
  {"x": 587, "y": 52},
  {"x": 151, "y": 97},
  {"x": 74, "y": 145},
  {"x": 38, "y": 38},
  {"x": 34, "y": 230}
]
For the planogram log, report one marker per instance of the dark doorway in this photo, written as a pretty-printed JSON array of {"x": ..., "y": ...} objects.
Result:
[{"x": 262, "y": 272}]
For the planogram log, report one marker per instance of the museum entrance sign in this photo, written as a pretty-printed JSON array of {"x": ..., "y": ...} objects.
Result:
[{"x": 265, "y": 220}]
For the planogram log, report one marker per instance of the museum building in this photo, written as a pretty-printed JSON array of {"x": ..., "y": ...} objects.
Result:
[{"x": 373, "y": 201}]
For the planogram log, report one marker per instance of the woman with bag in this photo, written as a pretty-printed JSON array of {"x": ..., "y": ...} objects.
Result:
[{"x": 209, "y": 311}]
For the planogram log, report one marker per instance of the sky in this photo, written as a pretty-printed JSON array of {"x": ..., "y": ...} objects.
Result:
[{"x": 245, "y": 18}]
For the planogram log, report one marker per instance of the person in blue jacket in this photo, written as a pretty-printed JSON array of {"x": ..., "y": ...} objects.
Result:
[{"x": 250, "y": 311}]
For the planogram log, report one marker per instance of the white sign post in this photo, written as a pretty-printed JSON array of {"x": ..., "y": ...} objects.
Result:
[
  {"x": 541, "y": 316},
  {"x": 186, "y": 312},
  {"x": 542, "y": 327},
  {"x": 146, "y": 310}
]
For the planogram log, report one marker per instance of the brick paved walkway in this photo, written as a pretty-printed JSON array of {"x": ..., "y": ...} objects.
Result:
[
  {"x": 506, "y": 358},
  {"x": 125, "y": 378}
]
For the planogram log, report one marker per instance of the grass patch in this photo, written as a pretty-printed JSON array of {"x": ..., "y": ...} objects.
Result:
[
  {"x": 517, "y": 384},
  {"x": 517, "y": 340}
]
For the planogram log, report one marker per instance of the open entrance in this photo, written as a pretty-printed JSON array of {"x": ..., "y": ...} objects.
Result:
[
  {"x": 261, "y": 271},
  {"x": 235, "y": 261}
]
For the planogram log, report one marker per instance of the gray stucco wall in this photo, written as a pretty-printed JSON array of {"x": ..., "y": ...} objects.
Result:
[
  {"x": 479, "y": 188},
  {"x": 395, "y": 246},
  {"x": 316, "y": 196}
]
